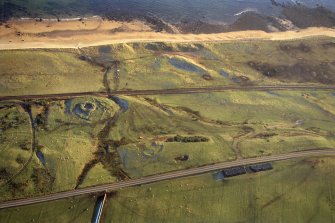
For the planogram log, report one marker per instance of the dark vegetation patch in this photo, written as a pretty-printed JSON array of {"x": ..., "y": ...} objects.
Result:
[
  {"x": 41, "y": 120},
  {"x": 159, "y": 46},
  {"x": 42, "y": 179},
  {"x": 328, "y": 45},
  {"x": 240, "y": 79},
  {"x": 187, "y": 139},
  {"x": 88, "y": 166},
  {"x": 302, "y": 47},
  {"x": 190, "y": 111},
  {"x": 107, "y": 149},
  {"x": 158, "y": 24},
  {"x": 85, "y": 58},
  {"x": 20, "y": 159},
  {"x": 182, "y": 158},
  {"x": 300, "y": 72},
  {"x": 7, "y": 122},
  {"x": 111, "y": 144},
  {"x": 304, "y": 17},
  {"x": 254, "y": 21},
  {"x": 17, "y": 187},
  {"x": 155, "y": 103},
  {"x": 198, "y": 27},
  {"x": 4, "y": 175},
  {"x": 190, "y": 47},
  {"x": 110, "y": 13},
  {"x": 245, "y": 130},
  {"x": 207, "y": 77},
  {"x": 265, "y": 135},
  {"x": 25, "y": 145}
]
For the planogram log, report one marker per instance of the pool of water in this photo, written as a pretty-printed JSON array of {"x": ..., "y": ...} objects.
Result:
[
  {"x": 68, "y": 106},
  {"x": 184, "y": 65},
  {"x": 218, "y": 176},
  {"x": 236, "y": 79},
  {"x": 124, "y": 105},
  {"x": 41, "y": 157},
  {"x": 224, "y": 73},
  {"x": 84, "y": 110}
]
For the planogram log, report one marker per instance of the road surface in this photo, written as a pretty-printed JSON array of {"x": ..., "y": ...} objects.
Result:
[
  {"x": 172, "y": 91},
  {"x": 166, "y": 176}
]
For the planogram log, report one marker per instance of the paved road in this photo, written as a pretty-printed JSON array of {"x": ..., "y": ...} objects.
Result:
[
  {"x": 173, "y": 91},
  {"x": 166, "y": 176}
]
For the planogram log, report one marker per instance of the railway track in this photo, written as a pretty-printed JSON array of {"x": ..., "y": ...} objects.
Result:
[
  {"x": 166, "y": 176},
  {"x": 171, "y": 91}
]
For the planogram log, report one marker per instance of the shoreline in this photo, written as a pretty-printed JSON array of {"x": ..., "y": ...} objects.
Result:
[{"x": 29, "y": 19}]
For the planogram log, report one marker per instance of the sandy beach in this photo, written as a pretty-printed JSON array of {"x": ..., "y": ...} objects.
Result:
[{"x": 28, "y": 34}]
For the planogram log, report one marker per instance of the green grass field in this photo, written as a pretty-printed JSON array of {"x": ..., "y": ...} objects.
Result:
[
  {"x": 167, "y": 65},
  {"x": 296, "y": 191},
  {"x": 48, "y": 146},
  {"x": 77, "y": 209},
  {"x": 81, "y": 149},
  {"x": 25, "y": 72}
]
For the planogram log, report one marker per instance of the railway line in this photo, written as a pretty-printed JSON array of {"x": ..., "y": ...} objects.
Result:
[
  {"x": 166, "y": 176},
  {"x": 171, "y": 91}
]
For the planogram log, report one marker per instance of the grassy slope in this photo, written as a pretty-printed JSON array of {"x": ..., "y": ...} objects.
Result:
[
  {"x": 15, "y": 131},
  {"x": 70, "y": 143},
  {"x": 67, "y": 142},
  {"x": 147, "y": 66},
  {"x": 267, "y": 113},
  {"x": 236, "y": 124},
  {"x": 42, "y": 72},
  {"x": 233, "y": 121},
  {"x": 145, "y": 124},
  {"x": 78, "y": 209},
  {"x": 16, "y": 152},
  {"x": 295, "y": 191}
]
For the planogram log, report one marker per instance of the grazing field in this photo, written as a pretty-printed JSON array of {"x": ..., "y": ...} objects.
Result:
[
  {"x": 42, "y": 71},
  {"x": 76, "y": 209},
  {"x": 294, "y": 191},
  {"x": 90, "y": 140},
  {"x": 65, "y": 141},
  {"x": 139, "y": 66},
  {"x": 49, "y": 145},
  {"x": 269, "y": 122}
]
